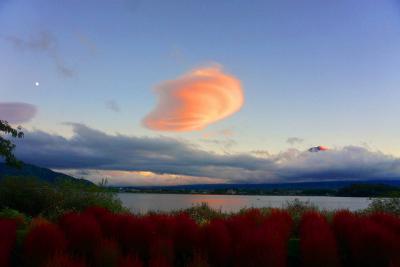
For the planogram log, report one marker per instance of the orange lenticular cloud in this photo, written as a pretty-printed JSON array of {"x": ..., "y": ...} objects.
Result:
[{"x": 195, "y": 100}]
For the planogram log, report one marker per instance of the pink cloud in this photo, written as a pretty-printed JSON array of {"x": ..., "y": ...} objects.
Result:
[
  {"x": 17, "y": 112},
  {"x": 195, "y": 100}
]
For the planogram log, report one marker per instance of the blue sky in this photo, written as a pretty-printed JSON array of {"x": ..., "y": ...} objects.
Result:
[{"x": 325, "y": 72}]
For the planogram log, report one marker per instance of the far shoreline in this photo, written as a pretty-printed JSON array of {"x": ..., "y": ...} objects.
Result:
[
  {"x": 253, "y": 195},
  {"x": 364, "y": 190}
]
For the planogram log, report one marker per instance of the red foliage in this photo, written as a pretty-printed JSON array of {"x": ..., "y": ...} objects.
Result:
[
  {"x": 389, "y": 221},
  {"x": 251, "y": 218},
  {"x": 102, "y": 238},
  {"x": 135, "y": 235},
  {"x": 164, "y": 225},
  {"x": 317, "y": 241},
  {"x": 162, "y": 248},
  {"x": 106, "y": 254},
  {"x": 159, "y": 261},
  {"x": 82, "y": 231},
  {"x": 368, "y": 241},
  {"x": 20, "y": 221},
  {"x": 344, "y": 223},
  {"x": 259, "y": 247},
  {"x": 217, "y": 243},
  {"x": 43, "y": 241},
  {"x": 257, "y": 240},
  {"x": 186, "y": 237},
  {"x": 62, "y": 260},
  {"x": 106, "y": 220},
  {"x": 130, "y": 262},
  {"x": 8, "y": 230},
  {"x": 280, "y": 222},
  {"x": 109, "y": 225},
  {"x": 373, "y": 245},
  {"x": 97, "y": 212},
  {"x": 198, "y": 261}
]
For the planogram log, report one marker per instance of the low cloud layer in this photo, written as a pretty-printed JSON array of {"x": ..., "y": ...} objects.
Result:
[
  {"x": 95, "y": 150},
  {"x": 143, "y": 178},
  {"x": 195, "y": 100},
  {"x": 17, "y": 112}
]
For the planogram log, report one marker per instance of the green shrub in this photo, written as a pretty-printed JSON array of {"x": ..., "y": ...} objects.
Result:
[
  {"x": 34, "y": 197},
  {"x": 79, "y": 196},
  {"x": 8, "y": 213},
  {"x": 389, "y": 205},
  {"x": 296, "y": 209},
  {"x": 203, "y": 213},
  {"x": 27, "y": 195}
]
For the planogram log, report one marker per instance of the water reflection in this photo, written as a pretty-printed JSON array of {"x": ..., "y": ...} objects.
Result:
[{"x": 167, "y": 202}]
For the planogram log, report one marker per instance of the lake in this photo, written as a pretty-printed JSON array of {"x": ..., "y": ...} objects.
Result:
[{"x": 142, "y": 203}]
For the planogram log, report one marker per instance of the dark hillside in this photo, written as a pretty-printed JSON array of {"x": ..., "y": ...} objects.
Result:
[{"x": 43, "y": 174}]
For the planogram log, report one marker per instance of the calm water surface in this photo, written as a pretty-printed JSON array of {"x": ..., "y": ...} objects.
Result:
[{"x": 167, "y": 202}]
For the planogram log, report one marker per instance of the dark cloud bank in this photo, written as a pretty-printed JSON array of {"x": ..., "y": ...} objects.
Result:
[{"x": 93, "y": 149}]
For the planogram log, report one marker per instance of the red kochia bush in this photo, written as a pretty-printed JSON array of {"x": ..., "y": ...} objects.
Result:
[
  {"x": 386, "y": 220},
  {"x": 130, "y": 262},
  {"x": 251, "y": 217},
  {"x": 159, "y": 261},
  {"x": 281, "y": 222},
  {"x": 217, "y": 243},
  {"x": 344, "y": 223},
  {"x": 277, "y": 228},
  {"x": 98, "y": 237},
  {"x": 162, "y": 248},
  {"x": 106, "y": 220},
  {"x": 391, "y": 223},
  {"x": 135, "y": 234},
  {"x": 198, "y": 261},
  {"x": 164, "y": 225},
  {"x": 256, "y": 242},
  {"x": 373, "y": 245},
  {"x": 97, "y": 212},
  {"x": 186, "y": 238},
  {"x": 82, "y": 231},
  {"x": 317, "y": 241},
  {"x": 368, "y": 241},
  {"x": 257, "y": 247},
  {"x": 8, "y": 230},
  {"x": 106, "y": 254},
  {"x": 62, "y": 260},
  {"x": 43, "y": 241}
]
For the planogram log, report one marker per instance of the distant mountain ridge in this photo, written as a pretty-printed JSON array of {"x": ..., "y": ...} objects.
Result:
[{"x": 43, "y": 174}]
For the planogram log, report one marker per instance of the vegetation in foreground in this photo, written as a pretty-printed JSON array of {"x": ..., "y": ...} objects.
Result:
[
  {"x": 37, "y": 198},
  {"x": 6, "y": 146},
  {"x": 98, "y": 237},
  {"x": 69, "y": 226}
]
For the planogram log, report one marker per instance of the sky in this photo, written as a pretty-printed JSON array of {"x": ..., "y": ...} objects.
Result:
[{"x": 175, "y": 92}]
